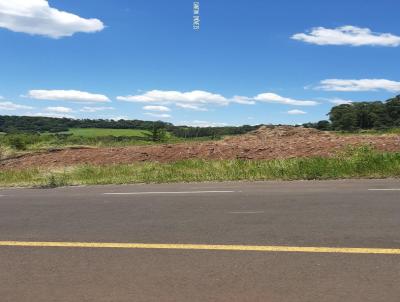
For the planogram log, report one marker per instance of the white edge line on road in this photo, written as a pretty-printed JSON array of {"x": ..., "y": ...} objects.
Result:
[
  {"x": 247, "y": 212},
  {"x": 177, "y": 192},
  {"x": 383, "y": 189}
]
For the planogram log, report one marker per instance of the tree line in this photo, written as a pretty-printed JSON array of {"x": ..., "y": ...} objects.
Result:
[
  {"x": 39, "y": 124},
  {"x": 345, "y": 117},
  {"x": 30, "y": 124},
  {"x": 362, "y": 115}
]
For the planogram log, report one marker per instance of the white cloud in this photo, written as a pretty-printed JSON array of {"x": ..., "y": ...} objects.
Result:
[
  {"x": 10, "y": 106},
  {"x": 117, "y": 118},
  {"x": 157, "y": 108},
  {"x": 36, "y": 17},
  {"x": 296, "y": 112},
  {"x": 158, "y": 115},
  {"x": 59, "y": 109},
  {"x": 51, "y": 114},
  {"x": 347, "y": 35},
  {"x": 274, "y": 98},
  {"x": 191, "y": 107},
  {"x": 198, "y": 100},
  {"x": 203, "y": 124},
  {"x": 174, "y": 97},
  {"x": 338, "y": 101},
  {"x": 359, "y": 85},
  {"x": 242, "y": 100},
  {"x": 67, "y": 95},
  {"x": 95, "y": 109}
]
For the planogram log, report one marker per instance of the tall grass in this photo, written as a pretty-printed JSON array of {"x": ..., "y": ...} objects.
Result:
[
  {"x": 93, "y": 132},
  {"x": 354, "y": 163},
  {"x": 370, "y": 132},
  {"x": 24, "y": 143}
]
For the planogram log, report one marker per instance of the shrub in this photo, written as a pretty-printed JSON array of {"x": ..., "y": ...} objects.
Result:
[{"x": 17, "y": 142}]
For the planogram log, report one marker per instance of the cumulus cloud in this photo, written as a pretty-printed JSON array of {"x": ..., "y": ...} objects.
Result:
[
  {"x": 202, "y": 124},
  {"x": 173, "y": 97},
  {"x": 198, "y": 100},
  {"x": 117, "y": 118},
  {"x": 296, "y": 112},
  {"x": 274, "y": 98},
  {"x": 59, "y": 109},
  {"x": 10, "y": 106},
  {"x": 36, "y": 17},
  {"x": 157, "y": 108},
  {"x": 338, "y": 101},
  {"x": 51, "y": 114},
  {"x": 242, "y": 100},
  {"x": 158, "y": 115},
  {"x": 67, "y": 95},
  {"x": 359, "y": 85},
  {"x": 95, "y": 109},
  {"x": 348, "y": 35},
  {"x": 191, "y": 107}
]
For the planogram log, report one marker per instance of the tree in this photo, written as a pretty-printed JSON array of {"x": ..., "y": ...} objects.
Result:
[
  {"x": 343, "y": 117},
  {"x": 393, "y": 111},
  {"x": 158, "y": 132},
  {"x": 323, "y": 125}
]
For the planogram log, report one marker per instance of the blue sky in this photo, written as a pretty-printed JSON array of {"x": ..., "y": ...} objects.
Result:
[{"x": 250, "y": 62}]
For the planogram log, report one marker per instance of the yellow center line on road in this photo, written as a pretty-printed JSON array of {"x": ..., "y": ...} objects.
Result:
[{"x": 206, "y": 247}]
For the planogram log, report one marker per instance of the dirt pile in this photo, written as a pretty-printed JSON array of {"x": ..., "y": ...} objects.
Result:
[{"x": 263, "y": 143}]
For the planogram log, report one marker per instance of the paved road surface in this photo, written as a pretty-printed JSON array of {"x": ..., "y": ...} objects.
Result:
[{"x": 166, "y": 219}]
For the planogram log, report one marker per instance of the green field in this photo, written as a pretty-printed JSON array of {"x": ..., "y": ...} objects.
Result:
[
  {"x": 96, "y": 132},
  {"x": 14, "y": 144}
]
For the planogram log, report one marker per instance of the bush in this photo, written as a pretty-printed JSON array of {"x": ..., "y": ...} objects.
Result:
[
  {"x": 2, "y": 152},
  {"x": 17, "y": 142}
]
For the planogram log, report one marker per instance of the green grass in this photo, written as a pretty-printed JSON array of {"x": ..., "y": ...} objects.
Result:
[
  {"x": 356, "y": 163},
  {"x": 370, "y": 132},
  {"x": 22, "y": 143},
  {"x": 96, "y": 132}
]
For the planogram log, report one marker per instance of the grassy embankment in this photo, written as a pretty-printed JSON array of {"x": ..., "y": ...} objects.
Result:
[
  {"x": 18, "y": 143},
  {"x": 355, "y": 163},
  {"x": 94, "y": 137},
  {"x": 25, "y": 142},
  {"x": 370, "y": 132}
]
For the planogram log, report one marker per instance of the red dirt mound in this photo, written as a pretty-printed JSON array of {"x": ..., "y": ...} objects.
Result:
[{"x": 264, "y": 143}]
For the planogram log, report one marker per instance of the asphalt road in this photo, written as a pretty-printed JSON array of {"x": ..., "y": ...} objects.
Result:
[{"x": 166, "y": 219}]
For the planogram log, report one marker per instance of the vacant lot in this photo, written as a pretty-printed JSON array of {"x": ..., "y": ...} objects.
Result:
[{"x": 262, "y": 144}]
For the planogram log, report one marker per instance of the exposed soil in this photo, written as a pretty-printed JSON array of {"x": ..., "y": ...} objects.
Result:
[{"x": 264, "y": 143}]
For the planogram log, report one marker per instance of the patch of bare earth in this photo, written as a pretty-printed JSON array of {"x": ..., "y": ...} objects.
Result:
[{"x": 264, "y": 143}]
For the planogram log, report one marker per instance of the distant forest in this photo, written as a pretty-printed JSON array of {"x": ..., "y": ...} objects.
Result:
[
  {"x": 15, "y": 124},
  {"x": 346, "y": 117}
]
